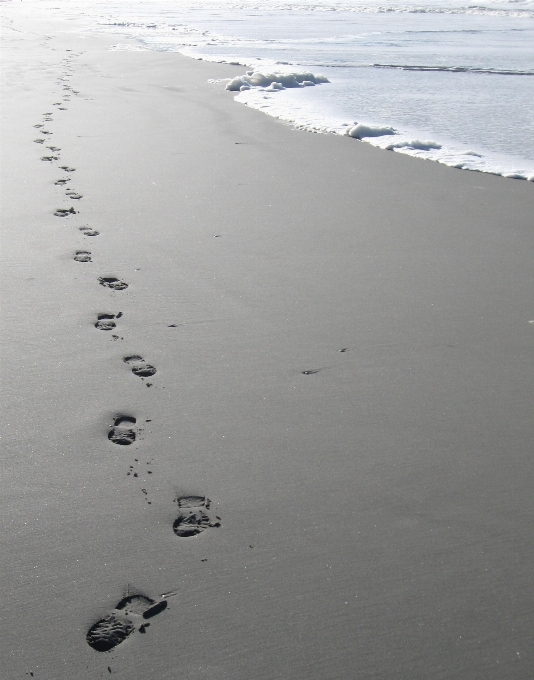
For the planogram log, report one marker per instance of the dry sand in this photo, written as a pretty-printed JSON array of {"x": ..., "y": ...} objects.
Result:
[{"x": 344, "y": 366}]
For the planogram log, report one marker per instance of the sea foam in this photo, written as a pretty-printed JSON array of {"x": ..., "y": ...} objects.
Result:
[
  {"x": 361, "y": 130},
  {"x": 416, "y": 144},
  {"x": 275, "y": 81}
]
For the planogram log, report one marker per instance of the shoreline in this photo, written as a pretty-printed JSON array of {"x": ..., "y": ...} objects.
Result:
[
  {"x": 313, "y": 112},
  {"x": 341, "y": 341}
]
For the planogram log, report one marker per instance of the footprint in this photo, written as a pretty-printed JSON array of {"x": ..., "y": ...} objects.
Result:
[
  {"x": 87, "y": 231},
  {"x": 315, "y": 370},
  {"x": 193, "y": 523},
  {"x": 139, "y": 366},
  {"x": 123, "y": 431},
  {"x": 131, "y": 614},
  {"x": 53, "y": 148},
  {"x": 73, "y": 195},
  {"x": 194, "y": 519},
  {"x": 62, "y": 181},
  {"x": 49, "y": 158},
  {"x": 65, "y": 212},
  {"x": 66, "y": 168},
  {"x": 39, "y": 125},
  {"x": 112, "y": 282},
  {"x": 39, "y": 141},
  {"x": 105, "y": 322},
  {"x": 83, "y": 256}
]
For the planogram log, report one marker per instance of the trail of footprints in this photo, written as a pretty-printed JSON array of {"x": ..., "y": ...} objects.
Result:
[{"x": 134, "y": 611}]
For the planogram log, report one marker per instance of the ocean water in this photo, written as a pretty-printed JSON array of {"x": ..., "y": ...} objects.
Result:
[{"x": 440, "y": 79}]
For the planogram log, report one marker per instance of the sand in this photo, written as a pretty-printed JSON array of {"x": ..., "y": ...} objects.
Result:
[{"x": 342, "y": 338}]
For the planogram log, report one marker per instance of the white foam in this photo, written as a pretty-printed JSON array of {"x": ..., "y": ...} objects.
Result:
[
  {"x": 293, "y": 110},
  {"x": 361, "y": 130},
  {"x": 415, "y": 144},
  {"x": 127, "y": 47},
  {"x": 450, "y": 154},
  {"x": 275, "y": 81}
]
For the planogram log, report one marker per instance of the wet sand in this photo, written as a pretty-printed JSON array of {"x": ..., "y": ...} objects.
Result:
[{"x": 329, "y": 341}]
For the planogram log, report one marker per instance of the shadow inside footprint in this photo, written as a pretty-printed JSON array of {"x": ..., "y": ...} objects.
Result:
[
  {"x": 65, "y": 212},
  {"x": 155, "y": 609},
  {"x": 112, "y": 282},
  {"x": 129, "y": 615},
  {"x": 144, "y": 371},
  {"x": 139, "y": 366},
  {"x": 123, "y": 431},
  {"x": 83, "y": 256}
]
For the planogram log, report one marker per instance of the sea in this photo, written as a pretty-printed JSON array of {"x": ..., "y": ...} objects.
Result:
[{"x": 445, "y": 80}]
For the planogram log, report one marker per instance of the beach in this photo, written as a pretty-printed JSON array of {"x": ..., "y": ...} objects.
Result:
[{"x": 342, "y": 344}]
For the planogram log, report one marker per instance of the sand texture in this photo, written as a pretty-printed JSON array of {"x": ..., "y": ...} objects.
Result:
[{"x": 266, "y": 395}]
